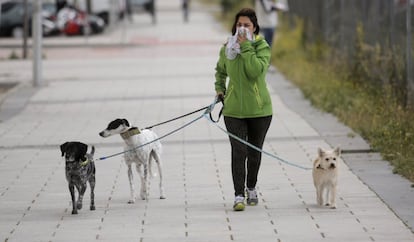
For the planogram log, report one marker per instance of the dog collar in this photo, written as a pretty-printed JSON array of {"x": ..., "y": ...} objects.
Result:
[
  {"x": 85, "y": 162},
  {"x": 130, "y": 132}
]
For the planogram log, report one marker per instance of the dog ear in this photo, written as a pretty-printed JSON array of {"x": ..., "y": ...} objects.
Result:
[
  {"x": 321, "y": 152},
  {"x": 316, "y": 163},
  {"x": 63, "y": 148},
  {"x": 80, "y": 154},
  {"x": 93, "y": 150},
  {"x": 125, "y": 122},
  {"x": 337, "y": 151}
]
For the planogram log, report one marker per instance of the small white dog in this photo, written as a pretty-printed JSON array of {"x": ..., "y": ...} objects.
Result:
[
  {"x": 141, "y": 157},
  {"x": 325, "y": 176}
]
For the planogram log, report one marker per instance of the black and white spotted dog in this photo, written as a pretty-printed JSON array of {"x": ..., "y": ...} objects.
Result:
[
  {"x": 140, "y": 157},
  {"x": 80, "y": 169}
]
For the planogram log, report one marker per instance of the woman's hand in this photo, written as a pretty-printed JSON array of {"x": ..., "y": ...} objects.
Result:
[
  {"x": 241, "y": 37},
  {"x": 220, "y": 97}
]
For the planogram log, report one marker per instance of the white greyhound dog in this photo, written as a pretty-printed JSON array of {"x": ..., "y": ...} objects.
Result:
[{"x": 141, "y": 157}]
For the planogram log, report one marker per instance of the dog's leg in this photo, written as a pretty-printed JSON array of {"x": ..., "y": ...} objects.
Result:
[
  {"x": 81, "y": 190},
  {"x": 131, "y": 184},
  {"x": 157, "y": 159},
  {"x": 72, "y": 194},
  {"x": 332, "y": 196},
  {"x": 144, "y": 180},
  {"x": 92, "y": 185},
  {"x": 326, "y": 194},
  {"x": 319, "y": 195}
]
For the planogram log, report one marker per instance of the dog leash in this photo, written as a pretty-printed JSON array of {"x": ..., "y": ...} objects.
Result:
[
  {"x": 184, "y": 115},
  {"x": 206, "y": 114},
  {"x": 208, "y": 110},
  {"x": 208, "y": 117}
]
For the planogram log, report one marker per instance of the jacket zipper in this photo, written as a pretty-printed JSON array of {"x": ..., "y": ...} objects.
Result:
[
  {"x": 258, "y": 98},
  {"x": 241, "y": 89}
]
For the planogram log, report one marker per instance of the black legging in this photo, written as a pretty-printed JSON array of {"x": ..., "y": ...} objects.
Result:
[{"x": 253, "y": 130}]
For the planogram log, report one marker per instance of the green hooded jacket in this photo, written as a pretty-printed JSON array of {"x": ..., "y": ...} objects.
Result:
[{"x": 246, "y": 94}]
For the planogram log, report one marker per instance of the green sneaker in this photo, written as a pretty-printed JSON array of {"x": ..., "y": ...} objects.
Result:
[
  {"x": 239, "y": 203},
  {"x": 252, "y": 199}
]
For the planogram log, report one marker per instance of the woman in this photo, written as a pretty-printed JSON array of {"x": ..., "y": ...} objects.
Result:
[{"x": 247, "y": 109}]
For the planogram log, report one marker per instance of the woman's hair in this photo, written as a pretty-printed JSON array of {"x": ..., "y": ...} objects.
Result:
[{"x": 246, "y": 12}]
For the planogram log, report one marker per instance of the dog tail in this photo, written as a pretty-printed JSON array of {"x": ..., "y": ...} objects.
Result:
[
  {"x": 153, "y": 158},
  {"x": 150, "y": 170}
]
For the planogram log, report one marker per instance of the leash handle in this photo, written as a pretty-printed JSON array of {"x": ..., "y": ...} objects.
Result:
[
  {"x": 218, "y": 118},
  {"x": 211, "y": 107}
]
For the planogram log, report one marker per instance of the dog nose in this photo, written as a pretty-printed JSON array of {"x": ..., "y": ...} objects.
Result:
[
  {"x": 101, "y": 133},
  {"x": 332, "y": 166}
]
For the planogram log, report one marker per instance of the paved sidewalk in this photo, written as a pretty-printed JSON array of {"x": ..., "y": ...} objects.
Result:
[{"x": 157, "y": 74}]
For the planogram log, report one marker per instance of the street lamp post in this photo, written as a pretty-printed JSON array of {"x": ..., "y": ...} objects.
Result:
[{"x": 37, "y": 43}]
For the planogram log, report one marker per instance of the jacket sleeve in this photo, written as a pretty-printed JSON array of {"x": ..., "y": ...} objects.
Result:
[
  {"x": 221, "y": 73},
  {"x": 256, "y": 58}
]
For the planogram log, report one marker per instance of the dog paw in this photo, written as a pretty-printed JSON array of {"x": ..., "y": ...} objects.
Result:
[
  {"x": 162, "y": 197},
  {"x": 92, "y": 207},
  {"x": 79, "y": 206},
  {"x": 74, "y": 211},
  {"x": 333, "y": 206},
  {"x": 131, "y": 201}
]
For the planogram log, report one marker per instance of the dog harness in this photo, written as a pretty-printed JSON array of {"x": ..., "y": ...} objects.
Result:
[{"x": 130, "y": 132}]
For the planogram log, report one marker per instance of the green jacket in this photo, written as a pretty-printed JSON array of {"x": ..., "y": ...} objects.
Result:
[{"x": 246, "y": 95}]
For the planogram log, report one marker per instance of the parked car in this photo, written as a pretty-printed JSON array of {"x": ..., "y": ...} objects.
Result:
[{"x": 12, "y": 19}]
